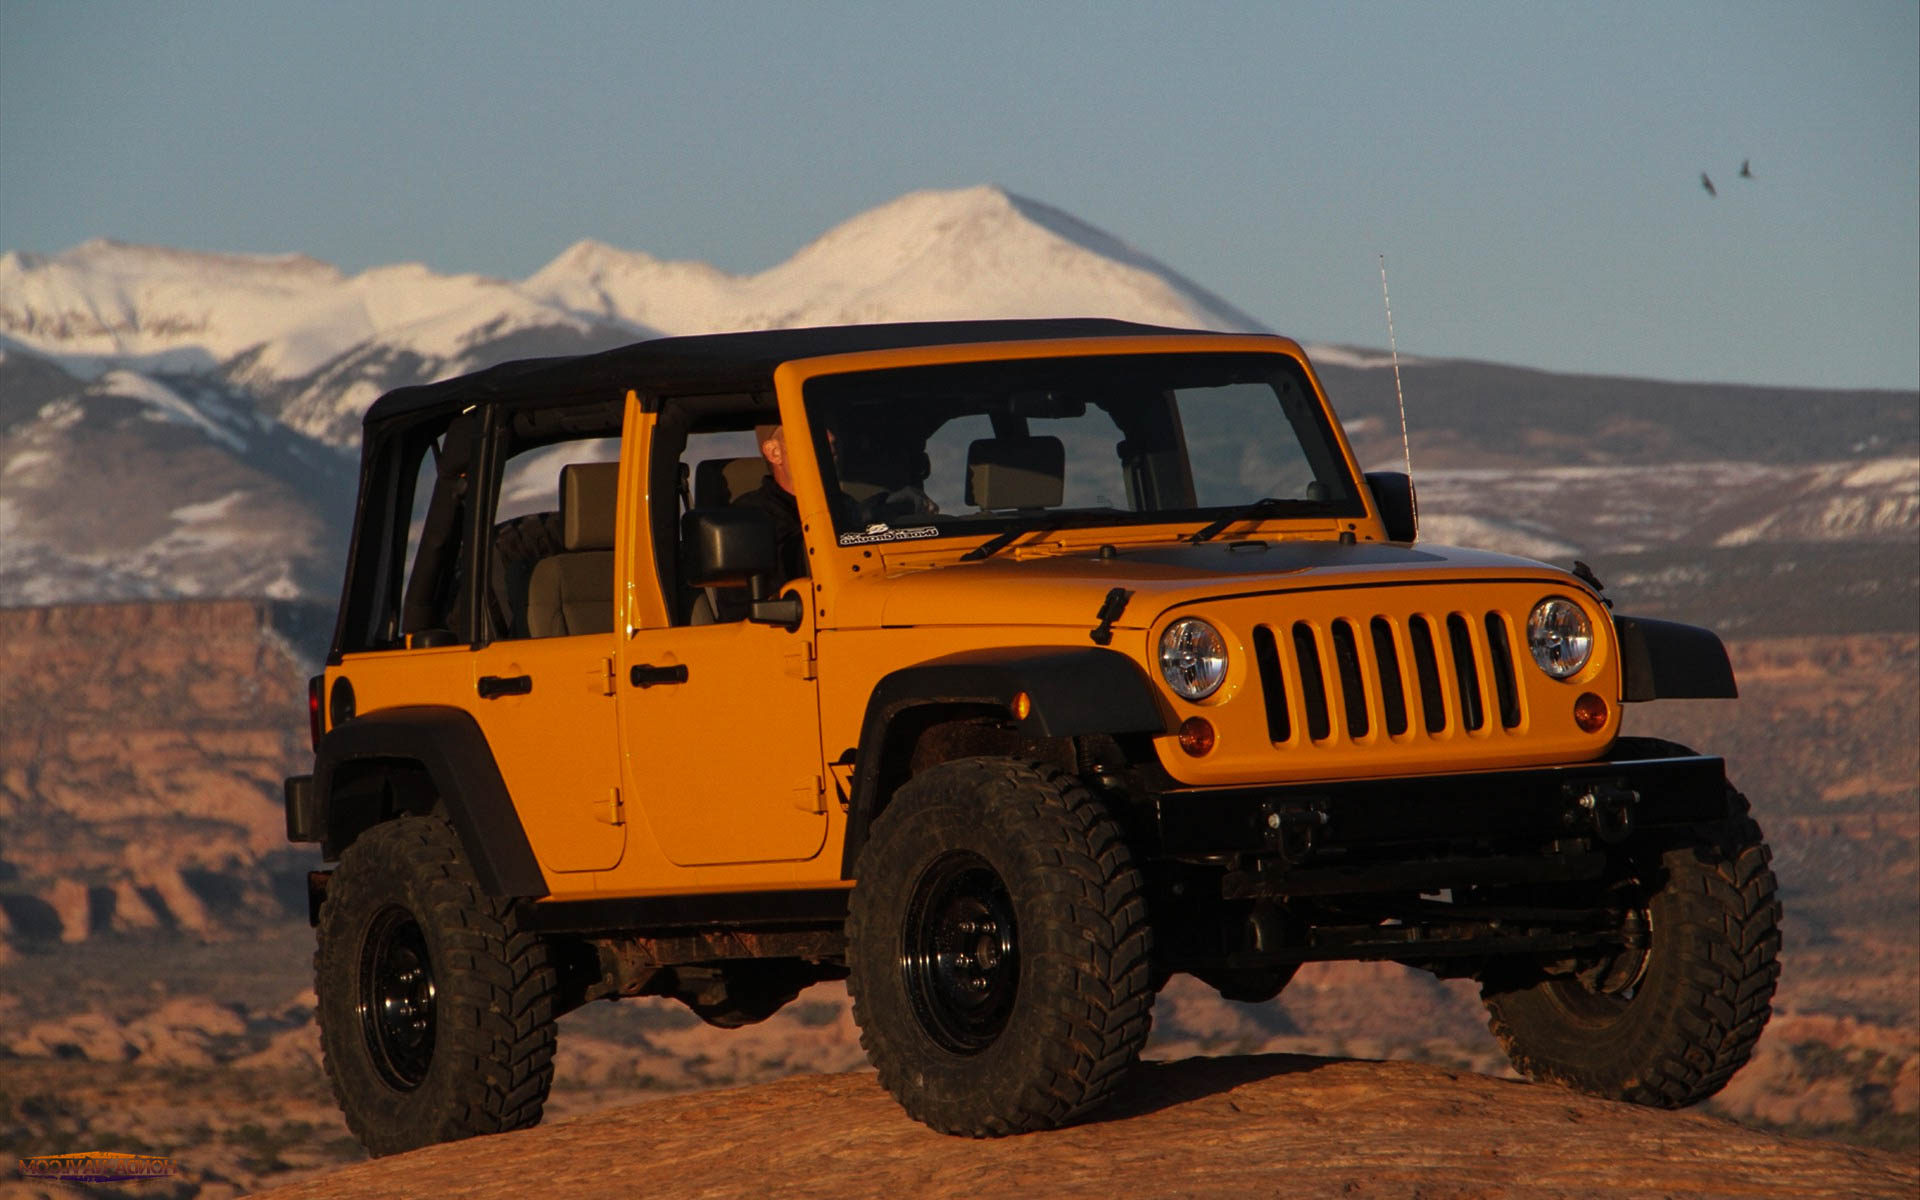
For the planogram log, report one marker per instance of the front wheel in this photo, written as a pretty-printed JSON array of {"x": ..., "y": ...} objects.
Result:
[
  {"x": 1667, "y": 1023},
  {"x": 999, "y": 951},
  {"x": 436, "y": 1012}
]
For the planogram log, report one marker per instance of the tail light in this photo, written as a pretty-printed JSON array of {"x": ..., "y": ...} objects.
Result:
[{"x": 316, "y": 724}]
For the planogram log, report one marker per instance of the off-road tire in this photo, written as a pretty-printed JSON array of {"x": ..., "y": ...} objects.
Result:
[
  {"x": 1700, "y": 1004},
  {"x": 486, "y": 1016},
  {"x": 1050, "y": 1040}
]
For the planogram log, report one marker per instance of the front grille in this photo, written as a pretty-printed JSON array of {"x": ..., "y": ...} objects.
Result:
[{"x": 1398, "y": 674}]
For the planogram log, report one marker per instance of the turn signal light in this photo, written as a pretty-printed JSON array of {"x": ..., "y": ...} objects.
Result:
[
  {"x": 1590, "y": 713},
  {"x": 1196, "y": 736}
]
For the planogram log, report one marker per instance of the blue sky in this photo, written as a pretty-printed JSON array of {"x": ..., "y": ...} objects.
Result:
[{"x": 1530, "y": 170}]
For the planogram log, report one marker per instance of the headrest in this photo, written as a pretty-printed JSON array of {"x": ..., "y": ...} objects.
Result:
[
  {"x": 1027, "y": 472},
  {"x": 589, "y": 494},
  {"x": 718, "y": 482}
]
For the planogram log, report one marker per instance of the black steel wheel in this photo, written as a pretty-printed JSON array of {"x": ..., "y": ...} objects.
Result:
[
  {"x": 1668, "y": 1020},
  {"x": 998, "y": 949},
  {"x": 397, "y": 998},
  {"x": 960, "y": 952},
  {"x": 436, "y": 1011}
]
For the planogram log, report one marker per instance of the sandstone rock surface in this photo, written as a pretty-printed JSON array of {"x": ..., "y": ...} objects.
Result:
[{"x": 1270, "y": 1125}]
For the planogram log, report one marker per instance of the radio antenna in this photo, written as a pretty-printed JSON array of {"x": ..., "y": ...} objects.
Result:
[{"x": 1406, "y": 448}]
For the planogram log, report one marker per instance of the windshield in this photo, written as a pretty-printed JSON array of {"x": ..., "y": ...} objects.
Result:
[{"x": 973, "y": 448}]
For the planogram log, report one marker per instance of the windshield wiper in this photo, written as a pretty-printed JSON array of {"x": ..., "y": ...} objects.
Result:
[
  {"x": 1245, "y": 512},
  {"x": 1000, "y": 541}
]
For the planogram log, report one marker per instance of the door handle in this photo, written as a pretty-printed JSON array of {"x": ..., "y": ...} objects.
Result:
[
  {"x": 492, "y": 687},
  {"x": 646, "y": 674}
]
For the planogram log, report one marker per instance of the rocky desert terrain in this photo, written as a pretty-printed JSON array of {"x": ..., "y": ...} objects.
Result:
[
  {"x": 1268, "y": 1125},
  {"x": 155, "y": 996}
]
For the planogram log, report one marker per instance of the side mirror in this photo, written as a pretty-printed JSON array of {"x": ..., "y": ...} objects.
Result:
[
  {"x": 729, "y": 547},
  {"x": 1393, "y": 495}
]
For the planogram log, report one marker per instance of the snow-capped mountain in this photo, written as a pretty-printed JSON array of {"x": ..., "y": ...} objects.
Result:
[
  {"x": 927, "y": 256},
  {"x": 177, "y": 423},
  {"x": 317, "y": 347}
]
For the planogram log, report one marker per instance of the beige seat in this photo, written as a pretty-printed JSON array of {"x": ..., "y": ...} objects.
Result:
[
  {"x": 572, "y": 593},
  {"x": 718, "y": 482},
  {"x": 1016, "y": 473}
]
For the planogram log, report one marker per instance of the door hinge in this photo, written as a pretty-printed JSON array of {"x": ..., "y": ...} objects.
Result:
[
  {"x": 609, "y": 811},
  {"x": 800, "y": 662},
  {"x": 600, "y": 677},
  {"x": 811, "y": 797}
]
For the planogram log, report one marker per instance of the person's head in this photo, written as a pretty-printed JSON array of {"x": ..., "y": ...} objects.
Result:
[{"x": 773, "y": 448}]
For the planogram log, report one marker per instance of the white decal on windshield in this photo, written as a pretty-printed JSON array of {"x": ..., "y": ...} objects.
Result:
[{"x": 880, "y": 533}]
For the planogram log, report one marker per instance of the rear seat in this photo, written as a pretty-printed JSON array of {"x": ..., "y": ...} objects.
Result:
[{"x": 572, "y": 593}]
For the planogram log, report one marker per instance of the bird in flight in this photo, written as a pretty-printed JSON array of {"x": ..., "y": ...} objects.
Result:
[
  {"x": 1746, "y": 170},
  {"x": 1707, "y": 184}
]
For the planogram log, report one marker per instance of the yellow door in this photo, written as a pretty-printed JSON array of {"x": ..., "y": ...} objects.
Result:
[
  {"x": 720, "y": 725},
  {"x": 547, "y": 708}
]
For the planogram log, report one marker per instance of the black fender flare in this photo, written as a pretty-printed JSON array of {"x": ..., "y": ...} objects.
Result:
[
  {"x": 449, "y": 745},
  {"x": 1072, "y": 691},
  {"x": 1665, "y": 660}
]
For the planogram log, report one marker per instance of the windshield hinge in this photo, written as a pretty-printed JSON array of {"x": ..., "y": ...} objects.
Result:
[{"x": 801, "y": 663}]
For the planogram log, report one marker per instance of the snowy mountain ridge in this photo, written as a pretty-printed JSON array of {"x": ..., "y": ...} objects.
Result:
[{"x": 283, "y": 321}]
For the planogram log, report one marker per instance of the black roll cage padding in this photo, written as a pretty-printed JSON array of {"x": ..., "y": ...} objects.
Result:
[
  {"x": 421, "y": 607},
  {"x": 1073, "y": 691},
  {"x": 448, "y": 745},
  {"x": 1665, "y": 660}
]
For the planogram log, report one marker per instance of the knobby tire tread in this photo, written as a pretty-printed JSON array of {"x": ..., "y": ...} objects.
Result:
[
  {"x": 497, "y": 994},
  {"x": 1096, "y": 932}
]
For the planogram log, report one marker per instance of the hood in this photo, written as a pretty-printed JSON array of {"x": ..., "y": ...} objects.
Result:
[{"x": 1037, "y": 588}]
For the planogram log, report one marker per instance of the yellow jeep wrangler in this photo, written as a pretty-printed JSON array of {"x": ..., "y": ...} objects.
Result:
[{"x": 1003, "y": 669}]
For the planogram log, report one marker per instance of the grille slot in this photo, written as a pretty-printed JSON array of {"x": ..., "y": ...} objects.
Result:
[
  {"x": 1466, "y": 672},
  {"x": 1346, "y": 660},
  {"x": 1393, "y": 693},
  {"x": 1273, "y": 684},
  {"x": 1505, "y": 688},
  {"x": 1426, "y": 666},
  {"x": 1313, "y": 681}
]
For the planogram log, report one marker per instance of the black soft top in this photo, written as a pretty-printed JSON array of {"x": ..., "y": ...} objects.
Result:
[{"x": 720, "y": 361}]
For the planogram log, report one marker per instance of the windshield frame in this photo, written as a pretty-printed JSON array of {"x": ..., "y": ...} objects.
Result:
[{"x": 1331, "y": 460}]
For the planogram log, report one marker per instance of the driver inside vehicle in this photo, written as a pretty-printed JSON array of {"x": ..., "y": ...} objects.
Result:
[
  {"x": 775, "y": 497},
  {"x": 876, "y": 482}
]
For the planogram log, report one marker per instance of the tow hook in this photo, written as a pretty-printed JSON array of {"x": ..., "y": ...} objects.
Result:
[
  {"x": 1293, "y": 830},
  {"x": 1611, "y": 809}
]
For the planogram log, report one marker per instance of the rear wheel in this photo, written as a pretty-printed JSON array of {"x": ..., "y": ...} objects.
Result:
[
  {"x": 1666, "y": 1023},
  {"x": 436, "y": 1012},
  {"x": 999, "y": 949}
]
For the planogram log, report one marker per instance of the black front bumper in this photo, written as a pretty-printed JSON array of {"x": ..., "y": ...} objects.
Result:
[
  {"x": 1428, "y": 870},
  {"x": 1606, "y": 801}
]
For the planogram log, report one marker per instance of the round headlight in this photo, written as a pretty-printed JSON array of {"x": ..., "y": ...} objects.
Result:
[
  {"x": 1193, "y": 658},
  {"x": 1560, "y": 636}
]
